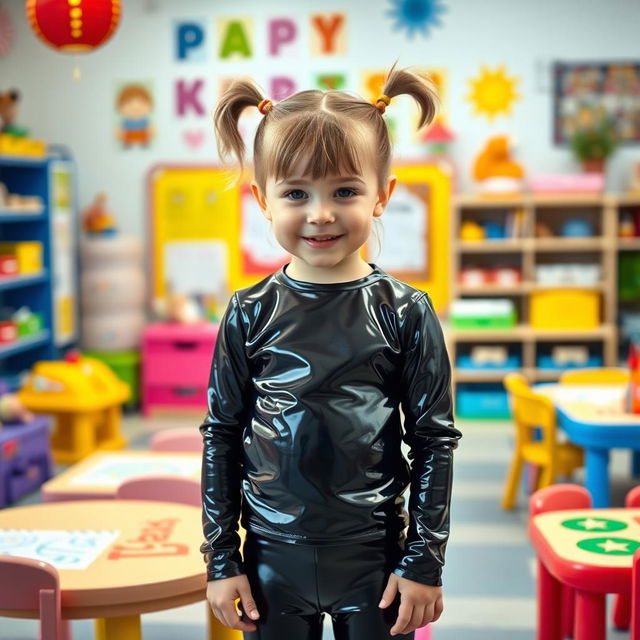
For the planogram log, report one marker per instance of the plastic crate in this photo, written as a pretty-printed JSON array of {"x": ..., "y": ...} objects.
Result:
[{"x": 482, "y": 401}]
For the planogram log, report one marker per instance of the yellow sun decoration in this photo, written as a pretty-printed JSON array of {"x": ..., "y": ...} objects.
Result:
[{"x": 493, "y": 92}]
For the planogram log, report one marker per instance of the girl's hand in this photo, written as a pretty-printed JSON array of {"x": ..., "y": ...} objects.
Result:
[
  {"x": 420, "y": 604},
  {"x": 222, "y": 595}
]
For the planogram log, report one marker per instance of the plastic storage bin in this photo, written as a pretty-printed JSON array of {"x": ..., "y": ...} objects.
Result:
[
  {"x": 483, "y": 314},
  {"x": 482, "y": 401},
  {"x": 565, "y": 309}
]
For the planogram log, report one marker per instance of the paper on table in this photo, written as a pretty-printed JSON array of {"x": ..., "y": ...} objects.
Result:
[{"x": 62, "y": 549}]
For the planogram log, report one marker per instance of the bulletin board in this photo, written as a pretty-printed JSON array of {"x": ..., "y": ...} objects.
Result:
[{"x": 208, "y": 237}]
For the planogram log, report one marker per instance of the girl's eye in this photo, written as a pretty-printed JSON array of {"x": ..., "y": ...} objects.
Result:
[
  {"x": 345, "y": 192},
  {"x": 296, "y": 194}
]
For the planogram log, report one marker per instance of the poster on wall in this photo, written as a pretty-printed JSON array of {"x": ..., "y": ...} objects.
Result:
[
  {"x": 585, "y": 94},
  {"x": 134, "y": 113},
  {"x": 405, "y": 249}
]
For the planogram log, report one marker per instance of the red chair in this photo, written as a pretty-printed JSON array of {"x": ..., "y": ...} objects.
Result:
[
  {"x": 27, "y": 584},
  {"x": 622, "y": 603},
  {"x": 635, "y": 598},
  {"x": 182, "y": 439},
  {"x": 162, "y": 489},
  {"x": 559, "y": 497}
]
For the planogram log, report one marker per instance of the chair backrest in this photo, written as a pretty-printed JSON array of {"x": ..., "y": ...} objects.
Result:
[
  {"x": 531, "y": 411},
  {"x": 27, "y": 584},
  {"x": 558, "y": 497},
  {"x": 161, "y": 488},
  {"x": 182, "y": 439},
  {"x": 635, "y": 598},
  {"x": 632, "y": 500},
  {"x": 603, "y": 375}
]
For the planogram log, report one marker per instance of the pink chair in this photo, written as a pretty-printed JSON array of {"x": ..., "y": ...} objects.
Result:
[
  {"x": 622, "y": 603},
  {"x": 182, "y": 439},
  {"x": 559, "y": 497},
  {"x": 635, "y": 598},
  {"x": 422, "y": 633},
  {"x": 162, "y": 489},
  {"x": 27, "y": 584}
]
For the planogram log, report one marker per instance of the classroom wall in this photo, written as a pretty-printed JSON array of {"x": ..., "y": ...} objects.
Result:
[{"x": 526, "y": 36}]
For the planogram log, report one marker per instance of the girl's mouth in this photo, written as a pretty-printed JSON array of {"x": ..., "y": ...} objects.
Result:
[{"x": 321, "y": 241}]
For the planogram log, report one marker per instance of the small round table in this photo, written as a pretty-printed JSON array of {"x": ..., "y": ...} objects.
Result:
[{"x": 153, "y": 563}]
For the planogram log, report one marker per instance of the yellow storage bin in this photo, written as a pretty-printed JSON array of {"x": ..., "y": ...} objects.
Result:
[
  {"x": 565, "y": 309},
  {"x": 28, "y": 254}
]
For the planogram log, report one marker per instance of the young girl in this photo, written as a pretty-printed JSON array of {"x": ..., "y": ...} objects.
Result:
[{"x": 311, "y": 368}]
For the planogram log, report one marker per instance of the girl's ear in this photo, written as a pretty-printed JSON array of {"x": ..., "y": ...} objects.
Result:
[
  {"x": 260, "y": 199},
  {"x": 384, "y": 195}
]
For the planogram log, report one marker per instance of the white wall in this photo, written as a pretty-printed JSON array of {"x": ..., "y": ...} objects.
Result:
[{"x": 521, "y": 34}]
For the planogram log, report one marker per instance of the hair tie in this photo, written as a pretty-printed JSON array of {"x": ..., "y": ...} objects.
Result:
[
  {"x": 382, "y": 102},
  {"x": 264, "y": 106}
]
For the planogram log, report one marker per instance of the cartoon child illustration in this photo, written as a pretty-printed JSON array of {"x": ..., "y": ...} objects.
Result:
[{"x": 134, "y": 104}]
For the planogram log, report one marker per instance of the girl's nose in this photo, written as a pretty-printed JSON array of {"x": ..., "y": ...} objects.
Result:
[{"x": 320, "y": 214}]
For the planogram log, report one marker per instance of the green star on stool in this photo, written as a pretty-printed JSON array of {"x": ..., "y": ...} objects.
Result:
[
  {"x": 610, "y": 546},
  {"x": 594, "y": 524}
]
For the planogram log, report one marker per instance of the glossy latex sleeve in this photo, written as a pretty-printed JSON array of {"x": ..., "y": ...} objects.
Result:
[
  {"x": 427, "y": 406},
  {"x": 229, "y": 400}
]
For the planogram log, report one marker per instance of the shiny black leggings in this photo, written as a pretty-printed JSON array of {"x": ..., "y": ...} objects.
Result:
[{"x": 294, "y": 584}]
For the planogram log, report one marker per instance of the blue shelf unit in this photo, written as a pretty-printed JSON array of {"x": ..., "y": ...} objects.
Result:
[{"x": 31, "y": 177}]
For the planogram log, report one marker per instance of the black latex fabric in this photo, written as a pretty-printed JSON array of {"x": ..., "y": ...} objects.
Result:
[{"x": 302, "y": 438}]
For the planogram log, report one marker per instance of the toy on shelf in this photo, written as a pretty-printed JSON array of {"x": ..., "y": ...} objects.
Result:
[
  {"x": 481, "y": 313},
  {"x": 471, "y": 231},
  {"x": 577, "y": 228},
  {"x": 496, "y": 171},
  {"x": 488, "y": 357},
  {"x": 85, "y": 397},
  {"x": 17, "y": 203},
  {"x": 96, "y": 220},
  {"x": 178, "y": 308},
  {"x": 438, "y": 138},
  {"x": 28, "y": 255},
  {"x": 14, "y": 138}
]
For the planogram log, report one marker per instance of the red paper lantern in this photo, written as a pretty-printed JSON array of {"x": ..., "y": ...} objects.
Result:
[{"x": 73, "y": 26}]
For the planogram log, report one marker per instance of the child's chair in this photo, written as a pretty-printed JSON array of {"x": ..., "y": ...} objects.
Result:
[
  {"x": 183, "y": 439},
  {"x": 558, "y": 498},
  {"x": 161, "y": 488},
  {"x": 532, "y": 412},
  {"x": 32, "y": 584},
  {"x": 602, "y": 375},
  {"x": 635, "y": 598},
  {"x": 185, "y": 491},
  {"x": 622, "y": 603}
]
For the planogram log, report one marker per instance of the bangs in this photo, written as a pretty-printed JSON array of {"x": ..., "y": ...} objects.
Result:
[{"x": 315, "y": 146}]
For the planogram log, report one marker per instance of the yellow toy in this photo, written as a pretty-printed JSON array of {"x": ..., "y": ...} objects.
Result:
[
  {"x": 495, "y": 169},
  {"x": 85, "y": 398}
]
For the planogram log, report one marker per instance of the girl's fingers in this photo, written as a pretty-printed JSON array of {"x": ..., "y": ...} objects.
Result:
[
  {"x": 438, "y": 609},
  {"x": 405, "y": 613}
]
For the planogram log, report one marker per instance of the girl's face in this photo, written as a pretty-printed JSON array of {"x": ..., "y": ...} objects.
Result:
[{"x": 303, "y": 211}]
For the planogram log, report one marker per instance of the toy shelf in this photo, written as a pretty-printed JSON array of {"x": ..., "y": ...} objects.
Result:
[
  {"x": 50, "y": 179},
  {"x": 522, "y": 249}
]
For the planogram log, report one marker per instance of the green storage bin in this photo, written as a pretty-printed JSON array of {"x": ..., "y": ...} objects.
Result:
[
  {"x": 126, "y": 365},
  {"x": 483, "y": 314}
]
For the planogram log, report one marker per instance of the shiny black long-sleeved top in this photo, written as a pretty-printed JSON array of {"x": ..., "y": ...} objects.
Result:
[{"x": 302, "y": 440}]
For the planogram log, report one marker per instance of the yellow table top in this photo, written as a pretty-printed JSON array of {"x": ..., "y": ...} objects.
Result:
[
  {"x": 595, "y": 537},
  {"x": 101, "y": 473},
  {"x": 153, "y": 561}
]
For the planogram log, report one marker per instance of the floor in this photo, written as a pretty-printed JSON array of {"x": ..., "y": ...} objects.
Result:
[{"x": 489, "y": 578}]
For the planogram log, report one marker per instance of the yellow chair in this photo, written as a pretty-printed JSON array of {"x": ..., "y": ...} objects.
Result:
[
  {"x": 532, "y": 412},
  {"x": 604, "y": 375}
]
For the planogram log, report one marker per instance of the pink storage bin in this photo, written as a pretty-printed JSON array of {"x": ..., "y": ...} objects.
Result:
[
  {"x": 558, "y": 183},
  {"x": 176, "y": 361}
]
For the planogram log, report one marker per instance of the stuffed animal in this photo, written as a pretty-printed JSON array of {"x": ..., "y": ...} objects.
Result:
[
  {"x": 12, "y": 410},
  {"x": 9, "y": 112},
  {"x": 495, "y": 169},
  {"x": 96, "y": 218}
]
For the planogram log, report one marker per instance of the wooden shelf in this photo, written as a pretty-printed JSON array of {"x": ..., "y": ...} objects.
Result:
[
  {"x": 522, "y": 289},
  {"x": 567, "y": 244},
  {"x": 629, "y": 244},
  {"x": 492, "y": 246},
  {"x": 524, "y": 333}
]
